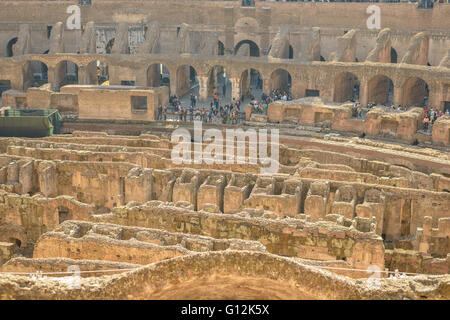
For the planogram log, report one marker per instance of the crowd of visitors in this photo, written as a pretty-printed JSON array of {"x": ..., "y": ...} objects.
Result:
[
  {"x": 430, "y": 116},
  {"x": 262, "y": 105},
  {"x": 216, "y": 113}
]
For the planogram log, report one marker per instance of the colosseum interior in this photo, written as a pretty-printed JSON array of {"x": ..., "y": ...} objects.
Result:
[{"x": 359, "y": 207}]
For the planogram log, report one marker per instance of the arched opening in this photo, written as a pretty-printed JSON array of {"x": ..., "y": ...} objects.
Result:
[
  {"x": 98, "y": 73},
  {"x": 219, "y": 82},
  {"x": 381, "y": 90},
  {"x": 64, "y": 214},
  {"x": 393, "y": 55},
  {"x": 35, "y": 74},
  {"x": 187, "y": 81},
  {"x": 246, "y": 48},
  {"x": 415, "y": 93},
  {"x": 346, "y": 87},
  {"x": 157, "y": 76},
  {"x": 291, "y": 52},
  {"x": 109, "y": 46},
  {"x": 280, "y": 83},
  {"x": 220, "y": 48},
  {"x": 322, "y": 58},
  {"x": 251, "y": 84},
  {"x": 66, "y": 73},
  {"x": 10, "y": 46}
]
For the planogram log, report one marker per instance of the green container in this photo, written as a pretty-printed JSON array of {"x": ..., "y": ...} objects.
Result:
[{"x": 30, "y": 123}]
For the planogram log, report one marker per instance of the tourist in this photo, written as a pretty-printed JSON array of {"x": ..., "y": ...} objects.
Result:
[
  {"x": 160, "y": 110},
  {"x": 191, "y": 112},
  {"x": 210, "y": 115},
  {"x": 425, "y": 123}
]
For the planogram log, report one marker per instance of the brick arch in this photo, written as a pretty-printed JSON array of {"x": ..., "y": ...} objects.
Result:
[
  {"x": 10, "y": 45},
  {"x": 213, "y": 85},
  {"x": 379, "y": 89},
  {"x": 154, "y": 72},
  {"x": 281, "y": 78},
  {"x": 255, "y": 48},
  {"x": 184, "y": 77},
  {"x": 28, "y": 69},
  {"x": 346, "y": 87},
  {"x": 66, "y": 72},
  {"x": 249, "y": 82},
  {"x": 415, "y": 92}
]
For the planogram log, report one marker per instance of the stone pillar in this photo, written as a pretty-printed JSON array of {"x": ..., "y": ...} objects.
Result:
[
  {"x": 265, "y": 14},
  {"x": 83, "y": 75},
  {"x": 364, "y": 92},
  {"x": 398, "y": 96},
  {"x": 229, "y": 31},
  {"x": 173, "y": 82},
  {"x": 114, "y": 79},
  {"x": 52, "y": 78},
  {"x": 235, "y": 88},
  {"x": 424, "y": 244},
  {"x": 26, "y": 177},
  {"x": 266, "y": 84},
  {"x": 153, "y": 76},
  {"x": 435, "y": 97},
  {"x": 13, "y": 173},
  {"x": 91, "y": 73},
  {"x": 245, "y": 82},
  {"x": 141, "y": 77},
  {"x": 47, "y": 179},
  {"x": 298, "y": 88},
  {"x": 203, "y": 88}
]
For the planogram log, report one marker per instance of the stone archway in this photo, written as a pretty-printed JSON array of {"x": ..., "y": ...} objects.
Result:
[
  {"x": 158, "y": 75},
  {"x": 10, "y": 47},
  {"x": 66, "y": 72},
  {"x": 346, "y": 87},
  {"x": 393, "y": 55},
  {"x": 35, "y": 74},
  {"x": 281, "y": 79},
  {"x": 380, "y": 90},
  {"x": 219, "y": 82},
  {"x": 415, "y": 92},
  {"x": 187, "y": 81},
  {"x": 251, "y": 84},
  {"x": 221, "y": 48},
  {"x": 247, "y": 48}
]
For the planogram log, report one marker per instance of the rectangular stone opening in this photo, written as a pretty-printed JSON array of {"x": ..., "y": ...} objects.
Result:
[
  {"x": 138, "y": 103},
  {"x": 312, "y": 93},
  {"x": 127, "y": 83}
]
